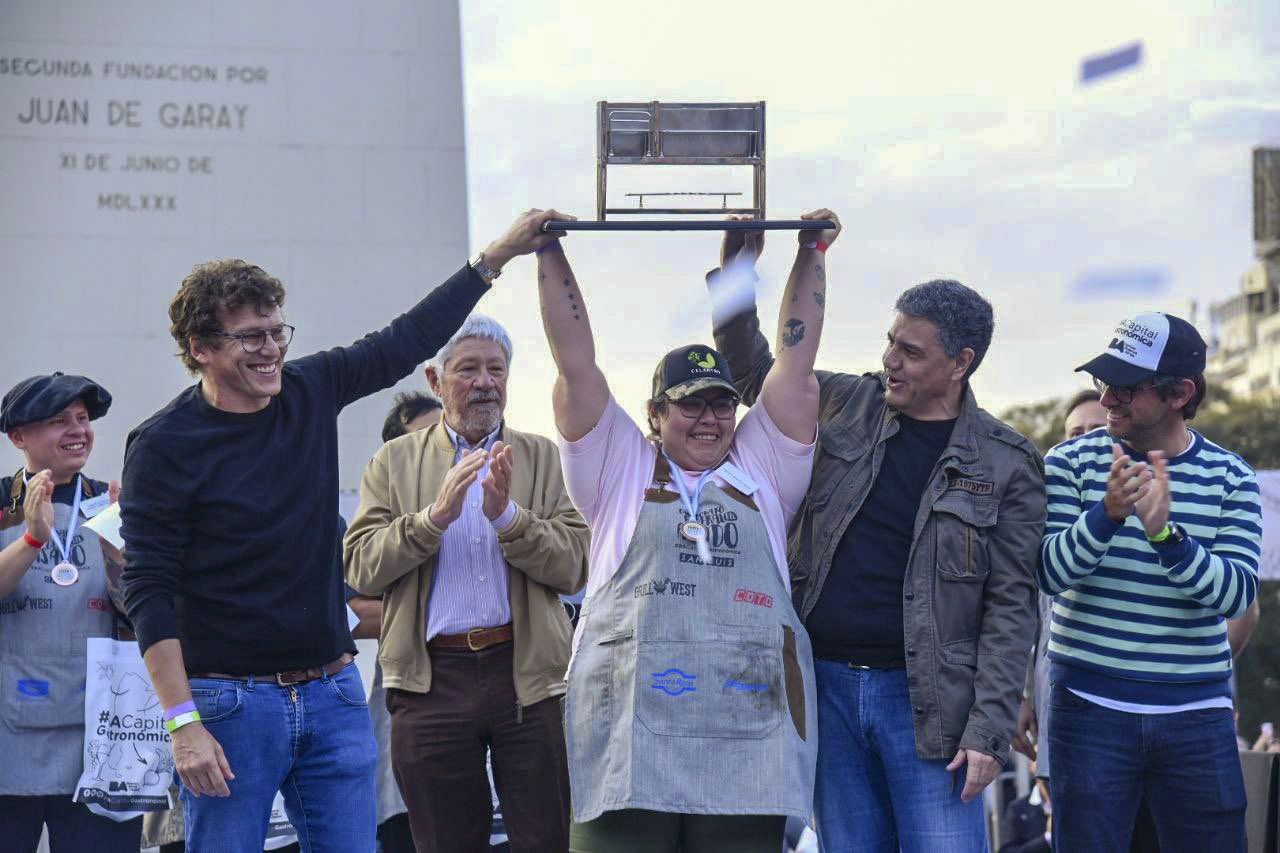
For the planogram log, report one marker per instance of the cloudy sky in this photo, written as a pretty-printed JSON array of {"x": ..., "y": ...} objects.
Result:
[{"x": 953, "y": 139}]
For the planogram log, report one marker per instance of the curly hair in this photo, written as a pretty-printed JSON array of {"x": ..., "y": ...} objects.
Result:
[{"x": 210, "y": 290}]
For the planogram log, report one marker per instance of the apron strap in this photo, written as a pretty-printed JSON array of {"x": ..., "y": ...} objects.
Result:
[
  {"x": 661, "y": 477},
  {"x": 12, "y": 515},
  {"x": 740, "y": 497}
]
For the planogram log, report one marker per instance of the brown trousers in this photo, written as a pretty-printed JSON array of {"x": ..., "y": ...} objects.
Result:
[{"x": 438, "y": 744}]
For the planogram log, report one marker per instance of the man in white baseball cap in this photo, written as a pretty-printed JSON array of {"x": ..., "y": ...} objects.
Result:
[{"x": 1152, "y": 543}]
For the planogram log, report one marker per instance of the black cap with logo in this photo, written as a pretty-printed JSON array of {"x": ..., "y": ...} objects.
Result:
[
  {"x": 1148, "y": 345},
  {"x": 691, "y": 369}
]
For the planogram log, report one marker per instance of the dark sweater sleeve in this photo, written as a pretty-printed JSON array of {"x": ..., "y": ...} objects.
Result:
[
  {"x": 153, "y": 513},
  {"x": 381, "y": 359}
]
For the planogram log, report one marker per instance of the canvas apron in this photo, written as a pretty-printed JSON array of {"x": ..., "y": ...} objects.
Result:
[
  {"x": 692, "y": 688},
  {"x": 43, "y": 629}
]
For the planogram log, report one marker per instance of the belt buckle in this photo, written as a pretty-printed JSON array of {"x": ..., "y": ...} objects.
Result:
[
  {"x": 470, "y": 644},
  {"x": 280, "y": 676}
]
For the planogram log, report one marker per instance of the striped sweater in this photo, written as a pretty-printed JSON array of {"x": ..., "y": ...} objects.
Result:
[{"x": 1132, "y": 622}]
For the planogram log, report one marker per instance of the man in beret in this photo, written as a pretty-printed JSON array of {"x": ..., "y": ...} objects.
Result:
[{"x": 53, "y": 594}]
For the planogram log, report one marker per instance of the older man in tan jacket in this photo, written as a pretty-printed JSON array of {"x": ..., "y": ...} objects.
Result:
[{"x": 466, "y": 530}]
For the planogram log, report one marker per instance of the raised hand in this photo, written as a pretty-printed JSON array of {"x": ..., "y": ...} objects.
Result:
[
  {"x": 1126, "y": 485},
  {"x": 37, "y": 506},
  {"x": 524, "y": 236},
  {"x": 497, "y": 483},
  {"x": 1153, "y": 508},
  {"x": 826, "y": 236},
  {"x": 741, "y": 245},
  {"x": 453, "y": 493}
]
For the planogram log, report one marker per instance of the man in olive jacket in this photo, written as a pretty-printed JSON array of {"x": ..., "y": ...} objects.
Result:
[
  {"x": 466, "y": 530},
  {"x": 912, "y": 565}
]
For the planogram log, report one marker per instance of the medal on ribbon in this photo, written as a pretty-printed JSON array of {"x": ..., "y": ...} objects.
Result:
[
  {"x": 65, "y": 573},
  {"x": 692, "y": 529}
]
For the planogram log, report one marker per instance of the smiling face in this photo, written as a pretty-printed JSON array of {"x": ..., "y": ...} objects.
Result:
[
  {"x": 234, "y": 380},
  {"x": 921, "y": 380},
  {"x": 61, "y": 443},
  {"x": 695, "y": 443},
  {"x": 1146, "y": 420},
  {"x": 472, "y": 385}
]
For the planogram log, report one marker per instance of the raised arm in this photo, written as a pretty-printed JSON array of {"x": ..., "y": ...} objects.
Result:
[
  {"x": 383, "y": 358},
  {"x": 581, "y": 392},
  {"x": 790, "y": 391}
]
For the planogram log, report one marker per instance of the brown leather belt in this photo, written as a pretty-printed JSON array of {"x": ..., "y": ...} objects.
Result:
[
  {"x": 288, "y": 677},
  {"x": 474, "y": 640}
]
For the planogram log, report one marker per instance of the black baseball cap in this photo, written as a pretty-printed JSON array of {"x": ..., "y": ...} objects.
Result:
[
  {"x": 39, "y": 397},
  {"x": 1148, "y": 345},
  {"x": 691, "y": 369}
]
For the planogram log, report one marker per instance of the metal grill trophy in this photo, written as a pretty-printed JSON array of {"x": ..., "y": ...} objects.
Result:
[{"x": 655, "y": 133}]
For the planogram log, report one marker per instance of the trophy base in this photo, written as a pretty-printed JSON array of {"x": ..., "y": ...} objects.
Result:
[{"x": 689, "y": 225}]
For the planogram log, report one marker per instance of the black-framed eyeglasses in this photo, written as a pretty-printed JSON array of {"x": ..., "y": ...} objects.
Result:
[
  {"x": 255, "y": 341},
  {"x": 693, "y": 406},
  {"x": 1123, "y": 393}
]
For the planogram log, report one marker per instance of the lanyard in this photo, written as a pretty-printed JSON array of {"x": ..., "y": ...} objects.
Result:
[
  {"x": 690, "y": 501},
  {"x": 65, "y": 547}
]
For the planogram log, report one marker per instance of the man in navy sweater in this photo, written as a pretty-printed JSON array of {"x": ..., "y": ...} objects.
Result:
[{"x": 230, "y": 517}]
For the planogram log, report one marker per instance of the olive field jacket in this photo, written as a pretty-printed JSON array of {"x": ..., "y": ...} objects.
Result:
[{"x": 969, "y": 596}]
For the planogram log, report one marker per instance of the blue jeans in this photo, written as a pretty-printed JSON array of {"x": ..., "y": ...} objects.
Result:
[
  {"x": 874, "y": 794},
  {"x": 313, "y": 742},
  {"x": 1185, "y": 764}
]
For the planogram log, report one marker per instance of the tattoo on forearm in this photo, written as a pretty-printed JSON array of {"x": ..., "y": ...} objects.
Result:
[
  {"x": 793, "y": 333},
  {"x": 820, "y": 272},
  {"x": 795, "y": 297},
  {"x": 820, "y": 298}
]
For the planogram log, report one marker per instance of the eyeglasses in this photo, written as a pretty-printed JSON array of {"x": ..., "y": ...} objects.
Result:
[
  {"x": 1123, "y": 394},
  {"x": 255, "y": 341},
  {"x": 693, "y": 406}
]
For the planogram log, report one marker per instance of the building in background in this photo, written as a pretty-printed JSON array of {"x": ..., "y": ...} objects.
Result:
[
  {"x": 324, "y": 142},
  {"x": 1245, "y": 337}
]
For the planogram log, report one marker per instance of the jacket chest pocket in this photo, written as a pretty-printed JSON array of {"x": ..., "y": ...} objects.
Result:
[
  {"x": 835, "y": 464},
  {"x": 962, "y": 524}
]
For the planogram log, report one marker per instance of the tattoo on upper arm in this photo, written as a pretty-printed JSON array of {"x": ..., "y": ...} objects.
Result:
[
  {"x": 820, "y": 298},
  {"x": 820, "y": 272},
  {"x": 793, "y": 333}
]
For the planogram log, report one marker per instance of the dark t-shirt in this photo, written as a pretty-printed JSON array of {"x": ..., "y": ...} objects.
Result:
[
  {"x": 231, "y": 520},
  {"x": 858, "y": 616}
]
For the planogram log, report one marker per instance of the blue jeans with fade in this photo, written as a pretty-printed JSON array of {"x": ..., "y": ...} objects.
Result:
[
  {"x": 312, "y": 742},
  {"x": 1185, "y": 764},
  {"x": 874, "y": 794}
]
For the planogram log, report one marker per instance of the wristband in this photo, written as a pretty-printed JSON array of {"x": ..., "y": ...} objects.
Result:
[
  {"x": 181, "y": 720},
  {"x": 180, "y": 708},
  {"x": 32, "y": 541},
  {"x": 1162, "y": 535},
  {"x": 553, "y": 246},
  {"x": 816, "y": 244}
]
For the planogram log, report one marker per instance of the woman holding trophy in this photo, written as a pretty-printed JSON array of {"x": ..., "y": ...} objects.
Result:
[{"x": 690, "y": 714}]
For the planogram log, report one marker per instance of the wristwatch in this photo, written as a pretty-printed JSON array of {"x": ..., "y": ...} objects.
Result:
[
  {"x": 485, "y": 271},
  {"x": 1171, "y": 535}
]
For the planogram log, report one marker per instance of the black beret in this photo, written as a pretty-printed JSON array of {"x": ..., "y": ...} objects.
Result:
[{"x": 41, "y": 397}]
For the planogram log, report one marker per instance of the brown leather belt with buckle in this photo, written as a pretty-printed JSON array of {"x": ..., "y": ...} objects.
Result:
[
  {"x": 474, "y": 640},
  {"x": 289, "y": 677}
]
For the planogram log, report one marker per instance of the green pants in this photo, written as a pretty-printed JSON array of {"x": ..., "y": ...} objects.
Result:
[{"x": 641, "y": 831}]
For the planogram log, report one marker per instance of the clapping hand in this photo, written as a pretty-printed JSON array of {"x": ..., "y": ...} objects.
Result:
[
  {"x": 497, "y": 483},
  {"x": 453, "y": 493},
  {"x": 1126, "y": 485}
]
